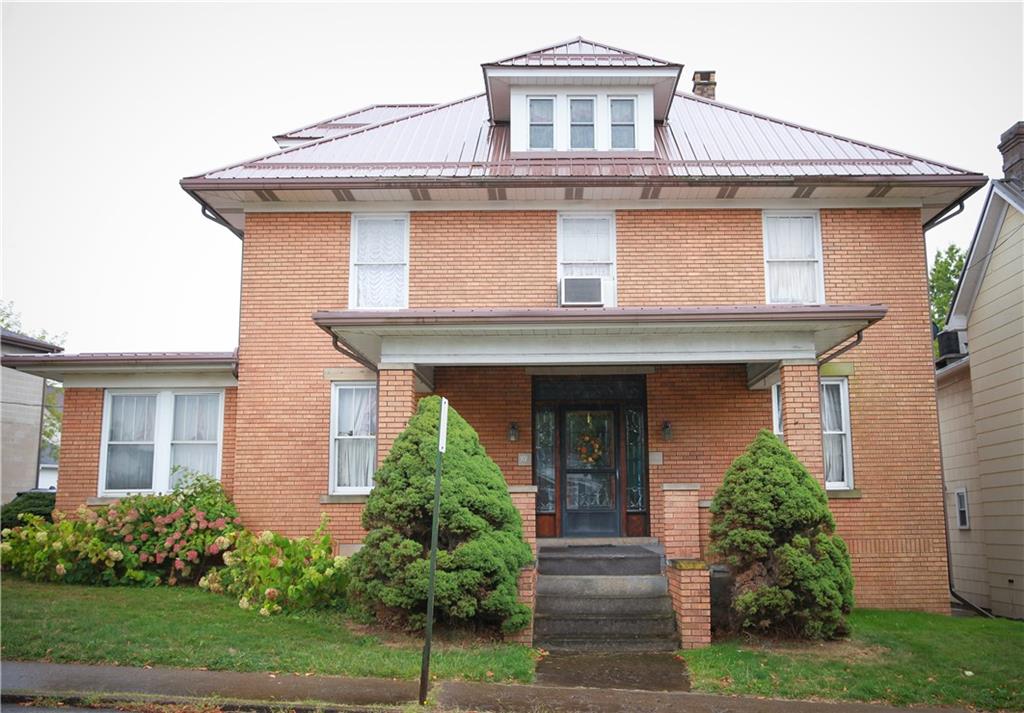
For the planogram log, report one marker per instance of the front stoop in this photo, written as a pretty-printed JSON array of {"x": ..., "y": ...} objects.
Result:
[{"x": 607, "y": 597}]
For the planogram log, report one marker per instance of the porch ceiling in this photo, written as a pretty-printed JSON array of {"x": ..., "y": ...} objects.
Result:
[{"x": 424, "y": 338}]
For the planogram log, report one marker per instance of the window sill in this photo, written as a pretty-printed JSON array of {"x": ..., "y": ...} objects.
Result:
[
  {"x": 103, "y": 500},
  {"x": 346, "y": 498},
  {"x": 851, "y": 494}
]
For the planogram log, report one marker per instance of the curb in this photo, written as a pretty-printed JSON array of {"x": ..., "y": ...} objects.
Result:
[{"x": 231, "y": 705}]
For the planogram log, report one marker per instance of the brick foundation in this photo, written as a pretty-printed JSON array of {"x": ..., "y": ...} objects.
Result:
[
  {"x": 527, "y": 595},
  {"x": 689, "y": 584}
]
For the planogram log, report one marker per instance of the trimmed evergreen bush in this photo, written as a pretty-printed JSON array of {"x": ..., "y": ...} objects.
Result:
[
  {"x": 34, "y": 503},
  {"x": 481, "y": 546},
  {"x": 771, "y": 522}
]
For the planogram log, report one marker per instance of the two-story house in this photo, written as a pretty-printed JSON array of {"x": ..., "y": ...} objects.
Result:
[{"x": 579, "y": 254}]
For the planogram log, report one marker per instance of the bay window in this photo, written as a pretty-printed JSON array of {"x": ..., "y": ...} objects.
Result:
[
  {"x": 835, "y": 433},
  {"x": 353, "y": 437},
  {"x": 792, "y": 257},
  {"x": 151, "y": 436},
  {"x": 379, "y": 262}
]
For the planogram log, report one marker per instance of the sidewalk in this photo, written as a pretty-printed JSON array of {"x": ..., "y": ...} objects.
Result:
[{"x": 263, "y": 691}]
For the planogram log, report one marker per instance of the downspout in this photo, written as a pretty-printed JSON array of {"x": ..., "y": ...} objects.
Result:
[
  {"x": 354, "y": 356},
  {"x": 949, "y": 555},
  {"x": 857, "y": 340}
]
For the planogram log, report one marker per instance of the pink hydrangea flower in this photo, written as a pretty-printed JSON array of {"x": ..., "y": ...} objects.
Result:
[
  {"x": 168, "y": 542},
  {"x": 213, "y": 549},
  {"x": 179, "y": 564},
  {"x": 143, "y": 557},
  {"x": 133, "y": 548},
  {"x": 160, "y": 556},
  {"x": 219, "y": 523},
  {"x": 129, "y": 537},
  {"x": 144, "y": 536},
  {"x": 192, "y": 555},
  {"x": 177, "y": 547}
]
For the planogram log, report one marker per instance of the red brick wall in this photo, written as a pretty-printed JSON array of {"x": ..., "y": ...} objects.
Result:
[
  {"x": 689, "y": 585},
  {"x": 81, "y": 433},
  {"x": 228, "y": 447}
]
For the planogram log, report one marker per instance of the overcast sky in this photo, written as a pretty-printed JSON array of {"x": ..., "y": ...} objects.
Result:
[{"x": 106, "y": 107}]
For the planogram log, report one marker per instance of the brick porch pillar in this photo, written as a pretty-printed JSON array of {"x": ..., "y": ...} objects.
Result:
[
  {"x": 681, "y": 529},
  {"x": 524, "y": 497},
  {"x": 689, "y": 582},
  {"x": 396, "y": 403},
  {"x": 801, "y": 416}
]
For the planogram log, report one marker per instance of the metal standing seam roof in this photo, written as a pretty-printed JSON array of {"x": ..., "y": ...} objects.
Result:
[
  {"x": 9, "y": 336},
  {"x": 344, "y": 123},
  {"x": 701, "y": 139},
  {"x": 579, "y": 52}
]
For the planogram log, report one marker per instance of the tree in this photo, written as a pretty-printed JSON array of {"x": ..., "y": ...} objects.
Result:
[
  {"x": 481, "y": 546},
  {"x": 942, "y": 281},
  {"x": 771, "y": 522}
]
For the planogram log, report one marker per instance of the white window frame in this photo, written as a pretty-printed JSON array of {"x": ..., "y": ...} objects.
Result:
[
  {"x": 336, "y": 387},
  {"x": 353, "y": 277},
  {"x": 614, "y": 279},
  {"x": 844, "y": 391},
  {"x": 777, "y": 427},
  {"x": 818, "y": 257},
  {"x": 554, "y": 122},
  {"x": 958, "y": 494},
  {"x": 594, "y": 122},
  {"x": 611, "y": 123},
  {"x": 163, "y": 431}
]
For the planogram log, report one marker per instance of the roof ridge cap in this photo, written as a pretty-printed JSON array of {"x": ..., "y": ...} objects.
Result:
[
  {"x": 579, "y": 38},
  {"x": 802, "y": 127}
]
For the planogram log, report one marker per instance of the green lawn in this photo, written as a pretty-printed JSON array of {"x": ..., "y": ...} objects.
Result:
[
  {"x": 901, "y": 658},
  {"x": 190, "y": 628}
]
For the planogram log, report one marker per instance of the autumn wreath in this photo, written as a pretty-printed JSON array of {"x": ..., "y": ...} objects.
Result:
[{"x": 589, "y": 448}]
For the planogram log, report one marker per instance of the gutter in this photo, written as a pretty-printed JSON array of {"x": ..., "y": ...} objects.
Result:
[{"x": 944, "y": 215}]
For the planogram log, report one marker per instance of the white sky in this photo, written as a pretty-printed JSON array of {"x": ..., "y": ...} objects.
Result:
[{"x": 106, "y": 107}]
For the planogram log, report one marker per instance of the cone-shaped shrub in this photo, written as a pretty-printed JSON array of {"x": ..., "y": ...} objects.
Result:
[
  {"x": 481, "y": 547},
  {"x": 771, "y": 522}
]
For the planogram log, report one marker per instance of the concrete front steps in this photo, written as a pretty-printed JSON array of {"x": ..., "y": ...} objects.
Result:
[{"x": 603, "y": 596}]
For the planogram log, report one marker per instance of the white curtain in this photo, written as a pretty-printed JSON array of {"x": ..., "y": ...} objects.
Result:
[
  {"x": 356, "y": 437},
  {"x": 380, "y": 263},
  {"x": 834, "y": 436},
  {"x": 587, "y": 247},
  {"x": 130, "y": 436},
  {"x": 791, "y": 251},
  {"x": 195, "y": 435}
]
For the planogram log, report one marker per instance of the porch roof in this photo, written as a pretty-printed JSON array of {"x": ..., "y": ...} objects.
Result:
[{"x": 580, "y": 336}]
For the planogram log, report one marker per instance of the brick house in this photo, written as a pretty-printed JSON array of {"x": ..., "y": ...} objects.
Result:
[{"x": 616, "y": 283}]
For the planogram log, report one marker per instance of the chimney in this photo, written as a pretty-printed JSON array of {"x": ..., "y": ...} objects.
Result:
[
  {"x": 704, "y": 84},
  {"x": 1011, "y": 146}
]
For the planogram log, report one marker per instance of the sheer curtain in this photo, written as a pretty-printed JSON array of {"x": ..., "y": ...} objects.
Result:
[
  {"x": 587, "y": 247},
  {"x": 356, "y": 437},
  {"x": 380, "y": 262},
  {"x": 833, "y": 433},
  {"x": 791, "y": 259},
  {"x": 130, "y": 441},
  {"x": 195, "y": 434}
]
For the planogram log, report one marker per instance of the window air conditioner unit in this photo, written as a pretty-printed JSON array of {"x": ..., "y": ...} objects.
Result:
[{"x": 582, "y": 292}]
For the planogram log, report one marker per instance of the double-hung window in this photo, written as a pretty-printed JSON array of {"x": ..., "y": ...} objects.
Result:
[
  {"x": 835, "y": 433},
  {"x": 151, "y": 437},
  {"x": 963, "y": 515},
  {"x": 542, "y": 122},
  {"x": 586, "y": 248},
  {"x": 353, "y": 436},
  {"x": 792, "y": 257},
  {"x": 379, "y": 275},
  {"x": 623, "y": 120},
  {"x": 581, "y": 122}
]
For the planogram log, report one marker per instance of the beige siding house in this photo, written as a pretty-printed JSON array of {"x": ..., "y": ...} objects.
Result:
[{"x": 981, "y": 401}]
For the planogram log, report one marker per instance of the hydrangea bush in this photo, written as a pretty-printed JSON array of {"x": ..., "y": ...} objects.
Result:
[
  {"x": 480, "y": 536},
  {"x": 272, "y": 573},
  {"x": 771, "y": 522}
]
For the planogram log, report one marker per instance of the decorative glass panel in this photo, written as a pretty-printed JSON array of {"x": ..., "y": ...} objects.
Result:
[
  {"x": 589, "y": 491},
  {"x": 544, "y": 459},
  {"x": 636, "y": 462},
  {"x": 777, "y": 409},
  {"x": 590, "y": 440},
  {"x": 129, "y": 467},
  {"x": 623, "y": 388},
  {"x": 542, "y": 137}
]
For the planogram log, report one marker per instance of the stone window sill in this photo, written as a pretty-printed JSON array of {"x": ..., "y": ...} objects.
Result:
[
  {"x": 101, "y": 501},
  {"x": 340, "y": 499},
  {"x": 852, "y": 494}
]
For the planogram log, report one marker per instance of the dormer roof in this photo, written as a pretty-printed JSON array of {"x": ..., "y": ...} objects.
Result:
[{"x": 579, "y": 62}]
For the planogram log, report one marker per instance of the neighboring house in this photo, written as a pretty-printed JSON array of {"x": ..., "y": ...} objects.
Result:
[
  {"x": 22, "y": 395},
  {"x": 579, "y": 254},
  {"x": 49, "y": 453},
  {"x": 980, "y": 380}
]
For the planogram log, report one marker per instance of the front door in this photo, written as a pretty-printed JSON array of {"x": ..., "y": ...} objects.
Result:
[{"x": 589, "y": 472}]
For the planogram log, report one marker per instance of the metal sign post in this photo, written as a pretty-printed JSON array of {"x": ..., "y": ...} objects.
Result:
[{"x": 442, "y": 439}]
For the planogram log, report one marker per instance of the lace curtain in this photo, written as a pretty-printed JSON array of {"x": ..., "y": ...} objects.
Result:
[
  {"x": 791, "y": 259},
  {"x": 130, "y": 441},
  {"x": 380, "y": 262},
  {"x": 833, "y": 433},
  {"x": 587, "y": 247},
  {"x": 356, "y": 437},
  {"x": 194, "y": 437}
]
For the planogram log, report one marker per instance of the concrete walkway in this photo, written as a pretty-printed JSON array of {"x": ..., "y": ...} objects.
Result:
[{"x": 262, "y": 691}]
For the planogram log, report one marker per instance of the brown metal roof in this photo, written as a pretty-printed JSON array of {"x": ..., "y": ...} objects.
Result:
[
  {"x": 580, "y": 52},
  {"x": 101, "y": 359},
  {"x": 17, "y": 339},
  {"x": 350, "y": 120},
  {"x": 580, "y": 315}
]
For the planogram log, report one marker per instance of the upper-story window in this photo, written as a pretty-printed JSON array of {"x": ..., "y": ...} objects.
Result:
[
  {"x": 586, "y": 248},
  {"x": 622, "y": 111},
  {"x": 150, "y": 437},
  {"x": 792, "y": 257},
  {"x": 581, "y": 122},
  {"x": 542, "y": 122},
  {"x": 379, "y": 262}
]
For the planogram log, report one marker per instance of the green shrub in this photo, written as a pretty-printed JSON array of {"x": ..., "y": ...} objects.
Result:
[
  {"x": 272, "y": 573},
  {"x": 771, "y": 522},
  {"x": 481, "y": 546},
  {"x": 142, "y": 539},
  {"x": 36, "y": 503}
]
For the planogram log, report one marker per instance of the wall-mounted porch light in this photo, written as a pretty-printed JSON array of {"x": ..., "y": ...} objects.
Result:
[
  {"x": 513, "y": 432},
  {"x": 666, "y": 431}
]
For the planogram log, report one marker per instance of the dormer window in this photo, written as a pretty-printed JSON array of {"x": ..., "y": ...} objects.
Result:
[
  {"x": 581, "y": 122},
  {"x": 623, "y": 120},
  {"x": 542, "y": 122}
]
